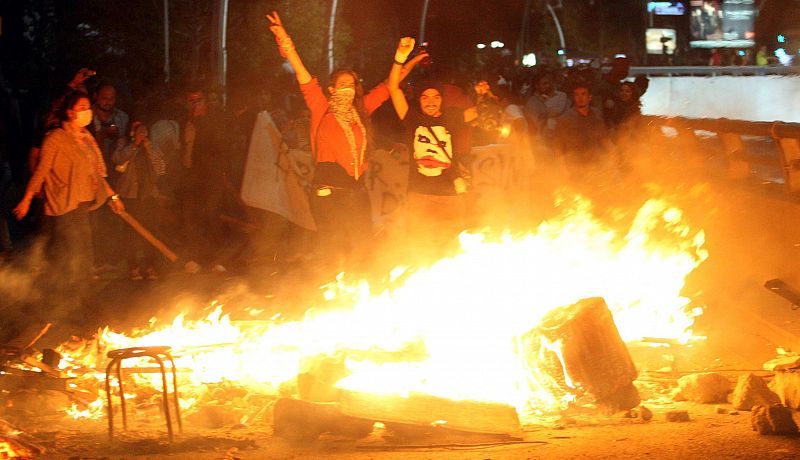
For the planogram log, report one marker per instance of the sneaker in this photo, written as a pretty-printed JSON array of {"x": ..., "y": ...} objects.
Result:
[
  {"x": 151, "y": 274},
  {"x": 136, "y": 275}
]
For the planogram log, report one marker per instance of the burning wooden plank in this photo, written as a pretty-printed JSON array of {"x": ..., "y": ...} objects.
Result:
[
  {"x": 355, "y": 414},
  {"x": 426, "y": 410},
  {"x": 298, "y": 420},
  {"x": 593, "y": 356},
  {"x": 14, "y": 443},
  {"x": 19, "y": 351}
]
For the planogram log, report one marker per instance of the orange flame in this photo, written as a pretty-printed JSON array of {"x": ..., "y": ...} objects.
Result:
[{"x": 452, "y": 329}]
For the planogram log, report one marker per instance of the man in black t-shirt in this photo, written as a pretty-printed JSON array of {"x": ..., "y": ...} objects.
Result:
[
  {"x": 435, "y": 211},
  {"x": 435, "y": 148}
]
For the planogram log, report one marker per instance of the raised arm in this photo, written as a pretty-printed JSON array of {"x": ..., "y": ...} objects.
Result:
[
  {"x": 404, "y": 48},
  {"x": 411, "y": 63},
  {"x": 286, "y": 48}
]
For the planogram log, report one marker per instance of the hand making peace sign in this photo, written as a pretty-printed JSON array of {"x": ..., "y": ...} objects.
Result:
[{"x": 276, "y": 26}]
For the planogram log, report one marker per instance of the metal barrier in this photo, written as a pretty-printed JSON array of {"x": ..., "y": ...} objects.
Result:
[
  {"x": 785, "y": 135},
  {"x": 711, "y": 71},
  {"x": 774, "y": 129}
]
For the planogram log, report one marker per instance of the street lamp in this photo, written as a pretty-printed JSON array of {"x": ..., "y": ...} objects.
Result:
[
  {"x": 422, "y": 22},
  {"x": 166, "y": 41},
  {"x": 558, "y": 28},
  {"x": 331, "y": 25},
  {"x": 529, "y": 60}
]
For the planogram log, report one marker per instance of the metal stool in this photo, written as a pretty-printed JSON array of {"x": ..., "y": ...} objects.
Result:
[{"x": 159, "y": 354}]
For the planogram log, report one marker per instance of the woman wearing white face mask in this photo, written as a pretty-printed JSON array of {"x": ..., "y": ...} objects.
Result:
[
  {"x": 340, "y": 142},
  {"x": 72, "y": 171}
]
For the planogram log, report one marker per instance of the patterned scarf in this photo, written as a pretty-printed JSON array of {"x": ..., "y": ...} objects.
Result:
[{"x": 341, "y": 106}]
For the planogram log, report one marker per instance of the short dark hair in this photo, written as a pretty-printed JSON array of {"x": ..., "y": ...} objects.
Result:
[
  {"x": 105, "y": 84},
  {"x": 580, "y": 84}
]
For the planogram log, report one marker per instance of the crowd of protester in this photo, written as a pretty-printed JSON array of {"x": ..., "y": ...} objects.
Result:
[{"x": 175, "y": 164}]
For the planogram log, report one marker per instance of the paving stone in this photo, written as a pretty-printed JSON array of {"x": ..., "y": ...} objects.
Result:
[
  {"x": 678, "y": 416},
  {"x": 751, "y": 390},
  {"x": 705, "y": 388},
  {"x": 786, "y": 385},
  {"x": 782, "y": 363},
  {"x": 774, "y": 419}
]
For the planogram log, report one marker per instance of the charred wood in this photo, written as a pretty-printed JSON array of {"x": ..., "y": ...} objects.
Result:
[
  {"x": 426, "y": 410},
  {"x": 301, "y": 421}
]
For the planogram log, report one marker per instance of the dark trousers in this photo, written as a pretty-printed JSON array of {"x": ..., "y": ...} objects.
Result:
[
  {"x": 72, "y": 246},
  {"x": 344, "y": 226},
  {"x": 106, "y": 231},
  {"x": 204, "y": 228}
]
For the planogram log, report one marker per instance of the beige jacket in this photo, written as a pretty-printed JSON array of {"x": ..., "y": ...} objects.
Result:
[{"x": 72, "y": 170}]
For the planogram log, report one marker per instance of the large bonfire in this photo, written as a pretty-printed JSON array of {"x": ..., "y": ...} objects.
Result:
[{"x": 451, "y": 330}]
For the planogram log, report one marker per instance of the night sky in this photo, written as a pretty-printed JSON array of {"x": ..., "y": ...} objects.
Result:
[
  {"x": 453, "y": 26},
  {"x": 128, "y": 35}
]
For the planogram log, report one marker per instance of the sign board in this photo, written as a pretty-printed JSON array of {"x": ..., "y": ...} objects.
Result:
[
  {"x": 666, "y": 8},
  {"x": 722, "y": 23},
  {"x": 660, "y": 41}
]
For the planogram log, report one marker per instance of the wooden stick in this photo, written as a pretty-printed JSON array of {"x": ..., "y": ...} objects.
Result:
[
  {"x": 140, "y": 229},
  {"x": 42, "y": 332},
  {"x": 27, "y": 338},
  {"x": 41, "y": 366}
]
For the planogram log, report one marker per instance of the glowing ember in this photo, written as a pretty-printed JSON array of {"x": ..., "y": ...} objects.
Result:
[
  {"x": 8, "y": 451},
  {"x": 451, "y": 330}
]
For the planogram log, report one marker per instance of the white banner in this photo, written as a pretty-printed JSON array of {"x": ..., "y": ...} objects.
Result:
[{"x": 275, "y": 180}]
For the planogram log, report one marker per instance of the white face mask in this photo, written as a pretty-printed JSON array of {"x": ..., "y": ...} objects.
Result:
[{"x": 83, "y": 118}]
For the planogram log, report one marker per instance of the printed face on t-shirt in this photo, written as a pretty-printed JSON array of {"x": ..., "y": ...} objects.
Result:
[{"x": 432, "y": 156}]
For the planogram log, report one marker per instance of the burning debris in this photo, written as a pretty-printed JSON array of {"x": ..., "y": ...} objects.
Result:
[
  {"x": 588, "y": 354},
  {"x": 486, "y": 341},
  {"x": 14, "y": 443}
]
